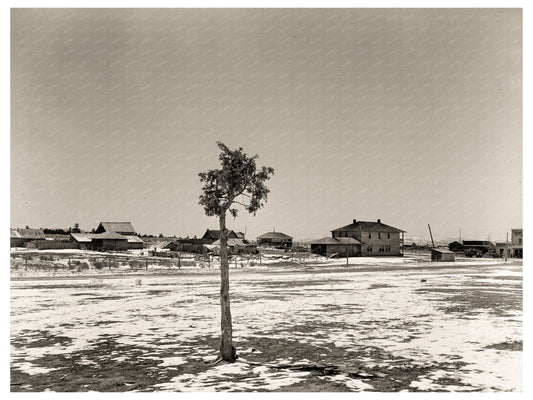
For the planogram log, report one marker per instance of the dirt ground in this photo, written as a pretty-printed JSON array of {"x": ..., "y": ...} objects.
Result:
[{"x": 384, "y": 326}]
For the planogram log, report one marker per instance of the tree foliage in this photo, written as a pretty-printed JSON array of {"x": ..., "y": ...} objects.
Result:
[{"x": 238, "y": 176}]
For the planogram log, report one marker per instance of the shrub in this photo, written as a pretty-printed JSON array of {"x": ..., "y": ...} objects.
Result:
[{"x": 98, "y": 264}]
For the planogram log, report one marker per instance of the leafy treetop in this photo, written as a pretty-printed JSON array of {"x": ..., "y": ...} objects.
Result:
[{"x": 237, "y": 176}]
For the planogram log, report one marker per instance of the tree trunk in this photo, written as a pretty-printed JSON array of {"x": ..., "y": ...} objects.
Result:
[{"x": 227, "y": 351}]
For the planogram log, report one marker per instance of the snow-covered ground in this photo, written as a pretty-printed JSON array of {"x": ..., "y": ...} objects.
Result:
[{"x": 448, "y": 323}]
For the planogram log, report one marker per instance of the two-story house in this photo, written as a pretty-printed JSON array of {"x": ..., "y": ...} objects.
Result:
[{"x": 377, "y": 238}]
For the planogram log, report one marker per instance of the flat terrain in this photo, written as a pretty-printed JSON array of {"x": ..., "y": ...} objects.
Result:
[{"x": 397, "y": 324}]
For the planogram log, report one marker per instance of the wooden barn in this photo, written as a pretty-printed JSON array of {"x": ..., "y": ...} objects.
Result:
[
  {"x": 100, "y": 241},
  {"x": 122, "y": 228},
  {"x": 442, "y": 255},
  {"x": 212, "y": 235},
  {"x": 329, "y": 246},
  {"x": 109, "y": 241},
  {"x": 24, "y": 237},
  {"x": 376, "y": 238},
  {"x": 274, "y": 239}
]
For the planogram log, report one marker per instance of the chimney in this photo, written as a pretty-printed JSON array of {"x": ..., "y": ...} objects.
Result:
[
  {"x": 354, "y": 221},
  {"x": 379, "y": 221}
]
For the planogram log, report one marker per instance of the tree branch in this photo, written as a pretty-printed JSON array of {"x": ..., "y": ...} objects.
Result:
[{"x": 244, "y": 205}]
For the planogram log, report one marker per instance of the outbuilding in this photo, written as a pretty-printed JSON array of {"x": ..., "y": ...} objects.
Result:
[
  {"x": 329, "y": 247},
  {"x": 442, "y": 255}
]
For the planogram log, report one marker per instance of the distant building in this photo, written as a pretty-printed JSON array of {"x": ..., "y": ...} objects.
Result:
[
  {"x": 117, "y": 236},
  {"x": 212, "y": 235},
  {"x": 274, "y": 239},
  {"x": 329, "y": 246},
  {"x": 22, "y": 237},
  {"x": 455, "y": 246},
  {"x": 442, "y": 255},
  {"x": 484, "y": 246},
  {"x": 122, "y": 228},
  {"x": 517, "y": 243},
  {"x": 500, "y": 248},
  {"x": 100, "y": 241},
  {"x": 235, "y": 246},
  {"x": 376, "y": 238}
]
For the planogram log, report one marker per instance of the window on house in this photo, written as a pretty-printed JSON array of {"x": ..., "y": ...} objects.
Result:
[
  {"x": 370, "y": 235},
  {"x": 379, "y": 235},
  {"x": 388, "y": 235},
  {"x": 369, "y": 249}
]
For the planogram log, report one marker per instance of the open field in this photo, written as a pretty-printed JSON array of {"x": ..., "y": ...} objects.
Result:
[{"x": 393, "y": 324}]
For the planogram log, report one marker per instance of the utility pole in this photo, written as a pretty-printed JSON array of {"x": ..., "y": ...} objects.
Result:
[
  {"x": 347, "y": 248},
  {"x": 430, "y": 234}
]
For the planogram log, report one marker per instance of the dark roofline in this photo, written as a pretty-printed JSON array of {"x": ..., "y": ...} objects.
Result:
[{"x": 356, "y": 226}]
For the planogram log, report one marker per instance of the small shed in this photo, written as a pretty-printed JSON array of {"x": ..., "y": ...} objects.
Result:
[{"x": 442, "y": 255}]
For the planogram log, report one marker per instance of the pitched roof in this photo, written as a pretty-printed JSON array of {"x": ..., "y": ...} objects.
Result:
[
  {"x": 28, "y": 233},
  {"x": 133, "y": 239},
  {"x": 443, "y": 251},
  {"x": 231, "y": 242},
  {"x": 274, "y": 235},
  {"x": 367, "y": 226},
  {"x": 119, "y": 227},
  {"x": 330, "y": 240},
  {"x": 88, "y": 237},
  {"x": 215, "y": 234},
  {"x": 82, "y": 237}
]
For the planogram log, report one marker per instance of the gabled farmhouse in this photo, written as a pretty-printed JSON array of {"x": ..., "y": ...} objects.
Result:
[
  {"x": 211, "y": 235},
  {"x": 377, "y": 238},
  {"x": 274, "y": 239}
]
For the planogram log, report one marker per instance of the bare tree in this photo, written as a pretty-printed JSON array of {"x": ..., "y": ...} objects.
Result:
[{"x": 237, "y": 182}]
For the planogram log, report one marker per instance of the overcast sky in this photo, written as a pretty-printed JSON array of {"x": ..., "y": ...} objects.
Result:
[{"x": 411, "y": 116}]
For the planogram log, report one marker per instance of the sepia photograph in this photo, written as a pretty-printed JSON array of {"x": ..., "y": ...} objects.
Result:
[{"x": 265, "y": 200}]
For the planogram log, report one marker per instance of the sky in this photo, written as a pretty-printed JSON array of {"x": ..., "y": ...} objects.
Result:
[{"x": 413, "y": 116}]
